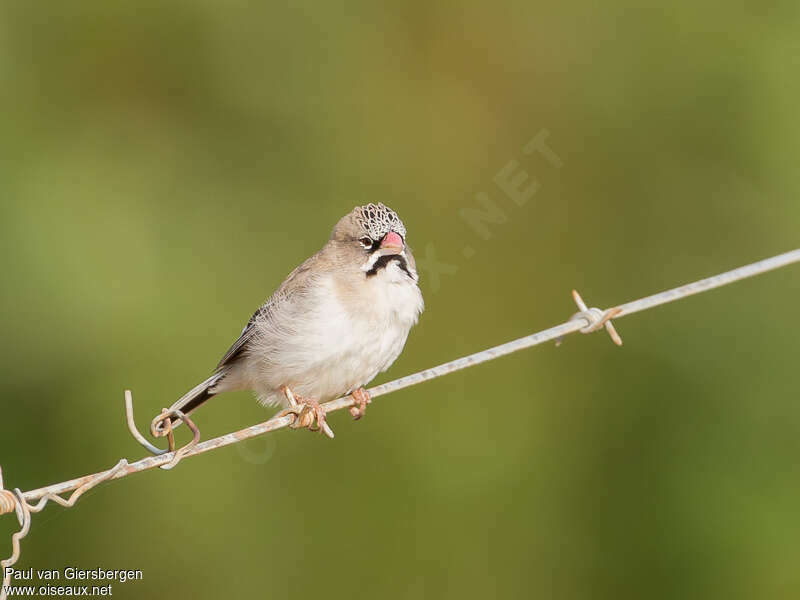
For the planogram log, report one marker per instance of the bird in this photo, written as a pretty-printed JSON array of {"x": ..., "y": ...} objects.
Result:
[{"x": 335, "y": 322}]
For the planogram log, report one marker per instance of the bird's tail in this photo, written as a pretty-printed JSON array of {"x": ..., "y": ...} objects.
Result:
[{"x": 197, "y": 395}]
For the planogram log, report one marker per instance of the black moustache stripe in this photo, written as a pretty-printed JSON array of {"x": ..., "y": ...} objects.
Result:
[{"x": 384, "y": 261}]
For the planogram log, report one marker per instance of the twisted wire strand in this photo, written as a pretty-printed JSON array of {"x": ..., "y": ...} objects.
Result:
[
  {"x": 534, "y": 339},
  {"x": 24, "y": 518},
  {"x": 15, "y": 501},
  {"x": 587, "y": 320}
]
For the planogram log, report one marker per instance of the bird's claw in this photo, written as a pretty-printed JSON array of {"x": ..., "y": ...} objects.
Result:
[
  {"x": 308, "y": 413},
  {"x": 362, "y": 398}
]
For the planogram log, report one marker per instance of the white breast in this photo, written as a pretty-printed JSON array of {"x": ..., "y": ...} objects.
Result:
[{"x": 334, "y": 343}]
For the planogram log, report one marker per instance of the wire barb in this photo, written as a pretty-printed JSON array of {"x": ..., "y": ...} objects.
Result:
[
  {"x": 7, "y": 502},
  {"x": 24, "y": 518},
  {"x": 16, "y": 500},
  {"x": 162, "y": 426},
  {"x": 596, "y": 319}
]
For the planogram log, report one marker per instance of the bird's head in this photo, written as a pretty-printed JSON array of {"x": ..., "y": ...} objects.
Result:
[
  {"x": 373, "y": 227},
  {"x": 376, "y": 233}
]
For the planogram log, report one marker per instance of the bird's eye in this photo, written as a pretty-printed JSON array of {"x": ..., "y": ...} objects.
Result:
[{"x": 366, "y": 242}]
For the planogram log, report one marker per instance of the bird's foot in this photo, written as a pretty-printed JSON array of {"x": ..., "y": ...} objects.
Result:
[
  {"x": 306, "y": 413},
  {"x": 362, "y": 398}
]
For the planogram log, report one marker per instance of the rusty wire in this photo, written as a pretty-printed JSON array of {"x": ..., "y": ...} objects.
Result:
[
  {"x": 24, "y": 509},
  {"x": 587, "y": 320}
]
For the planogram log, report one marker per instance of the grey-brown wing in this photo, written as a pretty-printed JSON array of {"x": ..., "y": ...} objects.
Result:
[
  {"x": 239, "y": 346},
  {"x": 296, "y": 280}
]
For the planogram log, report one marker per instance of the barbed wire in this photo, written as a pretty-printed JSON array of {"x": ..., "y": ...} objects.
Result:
[{"x": 587, "y": 320}]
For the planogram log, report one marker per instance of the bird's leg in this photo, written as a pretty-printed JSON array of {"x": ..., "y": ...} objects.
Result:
[
  {"x": 306, "y": 411},
  {"x": 362, "y": 398}
]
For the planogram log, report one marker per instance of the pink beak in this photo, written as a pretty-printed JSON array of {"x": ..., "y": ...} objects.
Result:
[{"x": 393, "y": 240}]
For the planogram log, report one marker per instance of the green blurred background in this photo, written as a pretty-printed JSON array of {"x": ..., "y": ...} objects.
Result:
[{"x": 163, "y": 165}]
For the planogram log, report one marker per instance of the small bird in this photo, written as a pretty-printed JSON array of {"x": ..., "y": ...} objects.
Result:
[{"x": 338, "y": 320}]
